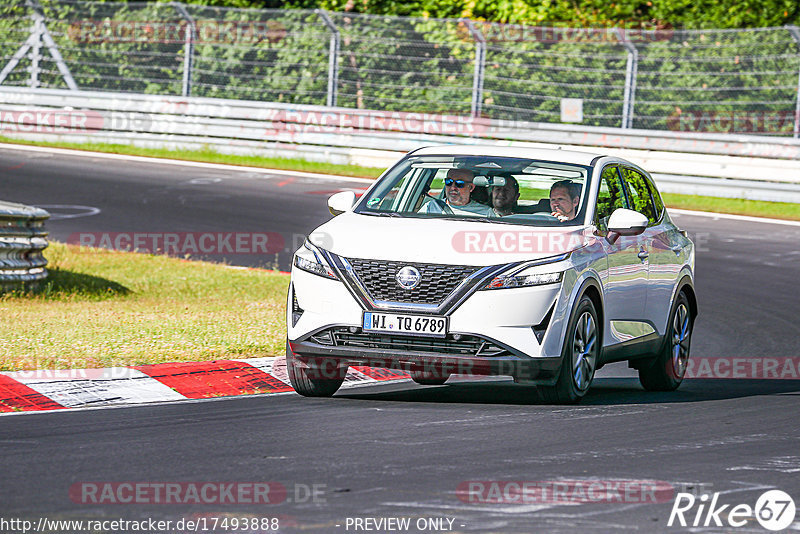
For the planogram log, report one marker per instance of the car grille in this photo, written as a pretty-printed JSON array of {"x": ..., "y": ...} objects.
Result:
[
  {"x": 464, "y": 346},
  {"x": 438, "y": 281}
]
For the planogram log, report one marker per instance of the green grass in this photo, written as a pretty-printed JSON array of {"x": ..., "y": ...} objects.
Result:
[
  {"x": 737, "y": 206},
  {"x": 101, "y": 308},
  {"x": 755, "y": 208}
]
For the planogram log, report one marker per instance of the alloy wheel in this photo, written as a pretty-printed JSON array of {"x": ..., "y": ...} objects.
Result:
[
  {"x": 681, "y": 336},
  {"x": 584, "y": 353}
]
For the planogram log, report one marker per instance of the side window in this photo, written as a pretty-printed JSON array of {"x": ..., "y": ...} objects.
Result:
[
  {"x": 609, "y": 197},
  {"x": 390, "y": 196},
  {"x": 435, "y": 189},
  {"x": 437, "y": 184},
  {"x": 659, "y": 204},
  {"x": 639, "y": 194}
]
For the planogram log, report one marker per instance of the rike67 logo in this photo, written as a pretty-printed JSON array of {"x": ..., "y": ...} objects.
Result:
[{"x": 774, "y": 510}]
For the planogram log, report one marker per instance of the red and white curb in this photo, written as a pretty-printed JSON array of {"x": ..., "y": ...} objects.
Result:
[{"x": 78, "y": 388}]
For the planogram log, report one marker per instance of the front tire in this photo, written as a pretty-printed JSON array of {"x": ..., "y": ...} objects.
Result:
[
  {"x": 667, "y": 371},
  {"x": 314, "y": 377},
  {"x": 579, "y": 357}
]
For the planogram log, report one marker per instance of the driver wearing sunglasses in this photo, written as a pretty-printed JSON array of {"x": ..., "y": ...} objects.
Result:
[{"x": 458, "y": 188}]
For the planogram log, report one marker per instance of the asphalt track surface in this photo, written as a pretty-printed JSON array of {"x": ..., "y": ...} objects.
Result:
[{"x": 402, "y": 450}]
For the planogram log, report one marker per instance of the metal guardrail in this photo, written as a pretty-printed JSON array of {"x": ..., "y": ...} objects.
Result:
[
  {"x": 23, "y": 238},
  {"x": 763, "y": 168}
]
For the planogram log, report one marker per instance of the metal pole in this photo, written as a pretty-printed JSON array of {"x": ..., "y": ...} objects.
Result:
[
  {"x": 333, "y": 57},
  {"x": 480, "y": 65},
  {"x": 796, "y": 34},
  {"x": 44, "y": 35},
  {"x": 188, "y": 56},
  {"x": 35, "y": 54},
  {"x": 18, "y": 55},
  {"x": 631, "y": 71},
  {"x": 188, "y": 48}
]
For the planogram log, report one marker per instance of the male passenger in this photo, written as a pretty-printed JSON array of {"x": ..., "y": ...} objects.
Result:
[
  {"x": 564, "y": 198},
  {"x": 458, "y": 187},
  {"x": 504, "y": 198}
]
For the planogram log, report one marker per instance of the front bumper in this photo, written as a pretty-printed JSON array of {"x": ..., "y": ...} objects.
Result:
[
  {"x": 507, "y": 316},
  {"x": 437, "y": 359}
]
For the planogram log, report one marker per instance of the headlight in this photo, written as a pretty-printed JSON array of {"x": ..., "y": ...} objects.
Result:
[
  {"x": 525, "y": 280},
  {"x": 310, "y": 259},
  {"x": 520, "y": 276}
]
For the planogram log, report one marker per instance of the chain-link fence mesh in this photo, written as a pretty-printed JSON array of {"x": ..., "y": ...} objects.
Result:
[
  {"x": 719, "y": 80},
  {"x": 272, "y": 55},
  {"x": 740, "y": 81},
  {"x": 530, "y": 69},
  {"x": 110, "y": 46},
  {"x": 396, "y": 63}
]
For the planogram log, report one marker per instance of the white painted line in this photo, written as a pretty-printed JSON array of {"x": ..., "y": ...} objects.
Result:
[
  {"x": 262, "y": 364},
  {"x": 83, "y": 211},
  {"x": 273, "y": 366},
  {"x": 783, "y": 464},
  {"x": 135, "y": 387},
  {"x": 196, "y": 164},
  {"x": 66, "y": 375},
  {"x": 733, "y": 217}
]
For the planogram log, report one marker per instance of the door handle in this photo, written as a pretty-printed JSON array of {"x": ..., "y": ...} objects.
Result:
[
  {"x": 677, "y": 249},
  {"x": 643, "y": 255}
]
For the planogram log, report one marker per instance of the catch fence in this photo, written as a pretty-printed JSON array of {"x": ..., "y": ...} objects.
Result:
[{"x": 716, "y": 81}]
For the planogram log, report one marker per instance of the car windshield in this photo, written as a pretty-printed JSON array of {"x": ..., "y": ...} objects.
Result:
[{"x": 494, "y": 189}]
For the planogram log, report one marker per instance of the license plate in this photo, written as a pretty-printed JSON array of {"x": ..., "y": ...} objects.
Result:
[{"x": 405, "y": 324}]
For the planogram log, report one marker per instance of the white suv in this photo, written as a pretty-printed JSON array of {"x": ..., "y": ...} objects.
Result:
[{"x": 543, "y": 265}]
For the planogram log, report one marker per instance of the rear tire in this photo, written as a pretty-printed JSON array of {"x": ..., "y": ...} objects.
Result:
[
  {"x": 579, "y": 357},
  {"x": 314, "y": 376},
  {"x": 427, "y": 378},
  {"x": 669, "y": 367}
]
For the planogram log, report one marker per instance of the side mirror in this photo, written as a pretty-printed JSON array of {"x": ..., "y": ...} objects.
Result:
[
  {"x": 625, "y": 222},
  {"x": 341, "y": 202}
]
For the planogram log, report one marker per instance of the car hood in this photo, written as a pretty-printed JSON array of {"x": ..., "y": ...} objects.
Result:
[{"x": 444, "y": 241}]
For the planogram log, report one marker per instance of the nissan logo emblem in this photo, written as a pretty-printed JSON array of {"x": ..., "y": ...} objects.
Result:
[{"x": 408, "y": 277}]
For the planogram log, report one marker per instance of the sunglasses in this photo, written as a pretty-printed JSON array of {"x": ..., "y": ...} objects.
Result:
[{"x": 458, "y": 183}]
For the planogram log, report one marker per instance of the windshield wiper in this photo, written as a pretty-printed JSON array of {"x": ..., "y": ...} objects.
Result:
[
  {"x": 466, "y": 218},
  {"x": 381, "y": 213}
]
